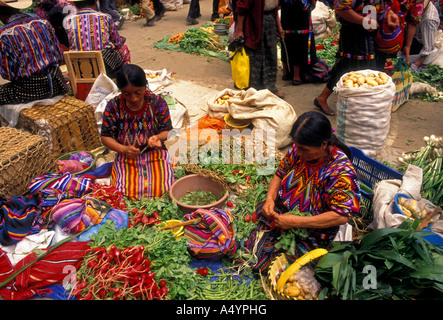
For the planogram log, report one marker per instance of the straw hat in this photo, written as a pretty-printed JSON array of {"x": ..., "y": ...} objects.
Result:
[{"x": 18, "y": 4}]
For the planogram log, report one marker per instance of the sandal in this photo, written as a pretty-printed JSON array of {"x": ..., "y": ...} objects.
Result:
[{"x": 328, "y": 112}]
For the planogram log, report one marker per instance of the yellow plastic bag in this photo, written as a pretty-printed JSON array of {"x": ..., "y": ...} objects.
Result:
[{"x": 240, "y": 68}]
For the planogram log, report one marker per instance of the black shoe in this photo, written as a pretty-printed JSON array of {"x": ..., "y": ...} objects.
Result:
[
  {"x": 120, "y": 22},
  {"x": 150, "y": 22},
  {"x": 191, "y": 21},
  {"x": 160, "y": 14}
]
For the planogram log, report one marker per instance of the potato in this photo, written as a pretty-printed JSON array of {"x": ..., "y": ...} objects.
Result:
[
  {"x": 349, "y": 83},
  {"x": 379, "y": 80},
  {"x": 361, "y": 80},
  {"x": 292, "y": 291},
  {"x": 226, "y": 97}
]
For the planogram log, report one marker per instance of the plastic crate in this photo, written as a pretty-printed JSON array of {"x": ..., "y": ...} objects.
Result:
[{"x": 369, "y": 172}]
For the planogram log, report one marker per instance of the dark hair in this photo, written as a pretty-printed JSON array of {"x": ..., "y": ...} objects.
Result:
[
  {"x": 131, "y": 74},
  {"x": 84, "y": 3},
  {"x": 8, "y": 11},
  {"x": 312, "y": 128}
]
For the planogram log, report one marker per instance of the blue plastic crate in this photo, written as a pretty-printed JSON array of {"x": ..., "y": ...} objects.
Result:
[{"x": 369, "y": 172}]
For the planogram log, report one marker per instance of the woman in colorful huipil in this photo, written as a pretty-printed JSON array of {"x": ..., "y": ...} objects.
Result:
[
  {"x": 135, "y": 125},
  {"x": 315, "y": 176},
  {"x": 356, "y": 44},
  {"x": 89, "y": 30}
]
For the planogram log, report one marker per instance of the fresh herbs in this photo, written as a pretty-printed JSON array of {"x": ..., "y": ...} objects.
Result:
[
  {"x": 388, "y": 263},
  {"x": 288, "y": 238},
  {"x": 198, "y": 198}
]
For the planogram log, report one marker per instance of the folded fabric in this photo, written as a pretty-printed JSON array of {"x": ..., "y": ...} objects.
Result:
[
  {"x": 17, "y": 216},
  {"x": 75, "y": 215},
  {"x": 119, "y": 217},
  {"x": 56, "y": 267},
  {"x": 74, "y": 186}
]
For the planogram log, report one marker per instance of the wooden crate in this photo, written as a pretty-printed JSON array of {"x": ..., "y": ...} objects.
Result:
[
  {"x": 23, "y": 156},
  {"x": 68, "y": 125}
]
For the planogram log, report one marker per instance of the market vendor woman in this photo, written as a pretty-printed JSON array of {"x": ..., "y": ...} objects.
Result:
[
  {"x": 315, "y": 176},
  {"x": 135, "y": 125}
]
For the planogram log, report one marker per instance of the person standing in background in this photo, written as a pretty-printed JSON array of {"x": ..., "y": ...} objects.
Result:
[
  {"x": 194, "y": 12},
  {"x": 258, "y": 24},
  {"x": 109, "y": 7}
]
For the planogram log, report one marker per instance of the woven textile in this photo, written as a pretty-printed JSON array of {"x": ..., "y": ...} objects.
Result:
[
  {"x": 75, "y": 215},
  {"x": 213, "y": 237},
  {"x": 57, "y": 266},
  {"x": 17, "y": 217},
  {"x": 74, "y": 186},
  {"x": 28, "y": 45}
]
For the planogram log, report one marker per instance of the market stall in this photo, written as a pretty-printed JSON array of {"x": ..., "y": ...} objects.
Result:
[{"x": 95, "y": 244}]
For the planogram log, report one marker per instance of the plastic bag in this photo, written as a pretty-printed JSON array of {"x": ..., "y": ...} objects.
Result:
[
  {"x": 71, "y": 166},
  {"x": 240, "y": 68}
]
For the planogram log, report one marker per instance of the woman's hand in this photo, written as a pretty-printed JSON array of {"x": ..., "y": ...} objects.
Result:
[
  {"x": 392, "y": 20},
  {"x": 130, "y": 151},
  {"x": 154, "y": 142},
  {"x": 268, "y": 210}
]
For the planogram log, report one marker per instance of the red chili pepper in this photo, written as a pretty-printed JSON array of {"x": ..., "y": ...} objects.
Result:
[
  {"x": 230, "y": 204},
  {"x": 202, "y": 271}
]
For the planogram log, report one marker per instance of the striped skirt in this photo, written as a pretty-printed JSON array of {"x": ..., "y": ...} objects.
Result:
[{"x": 149, "y": 175}]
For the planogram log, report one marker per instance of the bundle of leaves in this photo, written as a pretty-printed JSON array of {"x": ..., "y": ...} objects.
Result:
[{"x": 388, "y": 263}]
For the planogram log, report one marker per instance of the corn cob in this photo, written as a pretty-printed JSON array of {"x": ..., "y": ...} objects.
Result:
[{"x": 300, "y": 262}]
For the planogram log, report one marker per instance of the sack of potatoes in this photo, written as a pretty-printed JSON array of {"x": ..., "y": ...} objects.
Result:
[{"x": 357, "y": 79}]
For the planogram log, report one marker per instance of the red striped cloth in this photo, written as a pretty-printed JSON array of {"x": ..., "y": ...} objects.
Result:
[{"x": 55, "y": 267}]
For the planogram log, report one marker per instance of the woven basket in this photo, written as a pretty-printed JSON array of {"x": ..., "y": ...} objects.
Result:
[
  {"x": 23, "y": 156},
  {"x": 277, "y": 267},
  {"x": 68, "y": 125},
  {"x": 403, "y": 81}
]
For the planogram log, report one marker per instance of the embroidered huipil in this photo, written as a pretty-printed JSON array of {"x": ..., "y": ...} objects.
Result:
[
  {"x": 90, "y": 30},
  {"x": 316, "y": 188},
  {"x": 28, "y": 45},
  {"x": 136, "y": 127}
]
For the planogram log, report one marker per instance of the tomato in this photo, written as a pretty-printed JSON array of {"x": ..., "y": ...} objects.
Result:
[
  {"x": 230, "y": 204},
  {"x": 247, "y": 218}
]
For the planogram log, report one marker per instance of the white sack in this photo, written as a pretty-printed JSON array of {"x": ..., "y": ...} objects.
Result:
[
  {"x": 265, "y": 110},
  {"x": 364, "y": 114}
]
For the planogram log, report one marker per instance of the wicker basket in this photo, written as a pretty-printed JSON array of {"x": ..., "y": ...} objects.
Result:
[
  {"x": 68, "y": 125},
  {"x": 277, "y": 267},
  {"x": 23, "y": 156}
]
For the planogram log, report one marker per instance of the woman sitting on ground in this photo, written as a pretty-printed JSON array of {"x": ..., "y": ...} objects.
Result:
[
  {"x": 135, "y": 125},
  {"x": 315, "y": 176}
]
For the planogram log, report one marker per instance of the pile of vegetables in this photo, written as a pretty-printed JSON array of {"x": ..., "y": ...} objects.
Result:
[
  {"x": 388, "y": 263},
  {"x": 356, "y": 80},
  {"x": 196, "y": 40},
  {"x": 429, "y": 158}
]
